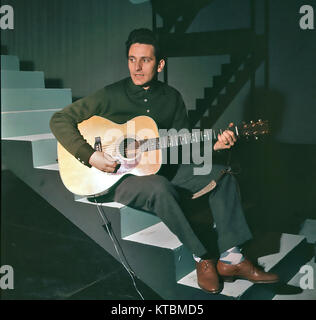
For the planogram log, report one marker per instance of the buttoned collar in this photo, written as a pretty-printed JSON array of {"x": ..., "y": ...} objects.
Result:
[{"x": 139, "y": 90}]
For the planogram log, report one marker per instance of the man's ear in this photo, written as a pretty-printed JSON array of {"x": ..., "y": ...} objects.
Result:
[{"x": 161, "y": 65}]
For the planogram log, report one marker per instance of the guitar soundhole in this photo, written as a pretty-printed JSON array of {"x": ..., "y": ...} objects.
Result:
[{"x": 129, "y": 148}]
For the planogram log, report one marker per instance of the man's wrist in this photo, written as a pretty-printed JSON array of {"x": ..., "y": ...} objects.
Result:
[{"x": 84, "y": 153}]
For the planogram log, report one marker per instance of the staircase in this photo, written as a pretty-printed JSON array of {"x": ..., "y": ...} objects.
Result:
[
  {"x": 246, "y": 51},
  {"x": 155, "y": 254}
]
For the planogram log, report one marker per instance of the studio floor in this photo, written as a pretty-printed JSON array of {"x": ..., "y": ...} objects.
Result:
[{"x": 52, "y": 259}]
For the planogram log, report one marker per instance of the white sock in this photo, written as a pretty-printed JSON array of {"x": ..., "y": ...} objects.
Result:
[
  {"x": 232, "y": 256},
  {"x": 196, "y": 258}
]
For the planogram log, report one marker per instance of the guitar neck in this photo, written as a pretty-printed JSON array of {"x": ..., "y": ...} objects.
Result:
[{"x": 184, "y": 138}]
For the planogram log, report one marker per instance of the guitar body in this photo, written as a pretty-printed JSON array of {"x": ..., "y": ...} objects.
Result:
[{"x": 85, "y": 181}]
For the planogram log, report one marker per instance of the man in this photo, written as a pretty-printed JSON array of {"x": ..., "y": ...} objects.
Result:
[{"x": 163, "y": 193}]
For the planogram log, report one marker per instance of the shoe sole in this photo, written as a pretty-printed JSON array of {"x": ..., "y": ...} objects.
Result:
[
  {"x": 212, "y": 292},
  {"x": 233, "y": 279}
]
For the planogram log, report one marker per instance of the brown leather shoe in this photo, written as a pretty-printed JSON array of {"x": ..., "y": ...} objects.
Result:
[
  {"x": 207, "y": 276},
  {"x": 245, "y": 270}
]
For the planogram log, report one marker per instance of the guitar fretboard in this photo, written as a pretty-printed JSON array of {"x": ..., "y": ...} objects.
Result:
[{"x": 183, "y": 139}]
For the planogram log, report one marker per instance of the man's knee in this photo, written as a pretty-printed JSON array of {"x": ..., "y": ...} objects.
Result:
[
  {"x": 146, "y": 185},
  {"x": 160, "y": 186}
]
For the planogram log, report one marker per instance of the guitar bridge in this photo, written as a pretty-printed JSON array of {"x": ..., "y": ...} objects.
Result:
[{"x": 97, "y": 144}]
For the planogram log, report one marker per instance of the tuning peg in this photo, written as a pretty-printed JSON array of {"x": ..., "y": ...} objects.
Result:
[{"x": 256, "y": 138}]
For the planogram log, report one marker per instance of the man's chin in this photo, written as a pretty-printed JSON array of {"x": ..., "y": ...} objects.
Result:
[{"x": 138, "y": 82}]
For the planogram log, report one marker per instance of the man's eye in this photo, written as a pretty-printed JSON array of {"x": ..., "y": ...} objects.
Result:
[
  {"x": 146, "y": 59},
  {"x": 131, "y": 59}
]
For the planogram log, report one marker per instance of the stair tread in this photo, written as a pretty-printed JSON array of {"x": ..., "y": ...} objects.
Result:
[
  {"x": 33, "y": 137},
  {"x": 20, "y": 72},
  {"x": 105, "y": 204},
  {"x": 53, "y": 167},
  {"x": 34, "y": 89},
  {"x": 309, "y": 230},
  {"x": 157, "y": 235},
  {"x": 31, "y": 110},
  {"x": 288, "y": 243}
]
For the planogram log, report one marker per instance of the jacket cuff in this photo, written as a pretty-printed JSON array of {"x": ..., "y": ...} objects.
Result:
[{"x": 84, "y": 153}]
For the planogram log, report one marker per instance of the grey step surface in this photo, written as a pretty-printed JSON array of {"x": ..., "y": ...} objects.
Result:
[
  {"x": 158, "y": 235},
  {"x": 132, "y": 220},
  {"x": 22, "y": 79},
  {"x": 305, "y": 278},
  {"x": 308, "y": 229},
  {"x": 147, "y": 229},
  {"x": 30, "y": 99},
  {"x": 43, "y": 146},
  {"x": 107, "y": 204},
  {"x": 237, "y": 289},
  {"x": 23, "y": 123},
  {"x": 10, "y": 62}
]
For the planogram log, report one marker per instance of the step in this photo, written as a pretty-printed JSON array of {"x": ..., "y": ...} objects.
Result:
[
  {"x": 308, "y": 293},
  {"x": 32, "y": 99},
  {"x": 22, "y": 79},
  {"x": 237, "y": 289},
  {"x": 52, "y": 167},
  {"x": 132, "y": 220},
  {"x": 308, "y": 230},
  {"x": 106, "y": 204},
  {"x": 10, "y": 62},
  {"x": 159, "y": 236},
  {"x": 24, "y": 123},
  {"x": 44, "y": 148},
  {"x": 142, "y": 231}
]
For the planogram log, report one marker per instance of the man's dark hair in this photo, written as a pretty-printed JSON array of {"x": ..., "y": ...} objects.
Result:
[{"x": 144, "y": 36}]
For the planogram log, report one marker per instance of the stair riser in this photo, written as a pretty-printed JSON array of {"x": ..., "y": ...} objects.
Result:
[
  {"x": 25, "y": 123},
  {"x": 133, "y": 221},
  {"x": 286, "y": 269},
  {"x": 44, "y": 152},
  {"x": 34, "y": 99},
  {"x": 10, "y": 63},
  {"x": 22, "y": 79},
  {"x": 183, "y": 261}
]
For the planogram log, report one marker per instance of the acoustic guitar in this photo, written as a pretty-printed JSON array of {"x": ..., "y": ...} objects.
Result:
[{"x": 136, "y": 145}]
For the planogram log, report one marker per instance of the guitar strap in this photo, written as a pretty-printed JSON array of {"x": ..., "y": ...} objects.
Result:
[{"x": 211, "y": 185}]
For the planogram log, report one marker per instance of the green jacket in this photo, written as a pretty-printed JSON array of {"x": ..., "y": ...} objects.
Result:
[{"x": 118, "y": 102}]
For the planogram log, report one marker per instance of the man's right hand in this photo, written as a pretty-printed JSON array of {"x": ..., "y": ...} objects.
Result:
[{"x": 103, "y": 162}]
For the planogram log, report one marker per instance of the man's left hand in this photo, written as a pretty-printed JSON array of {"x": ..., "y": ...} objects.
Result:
[{"x": 225, "y": 140}]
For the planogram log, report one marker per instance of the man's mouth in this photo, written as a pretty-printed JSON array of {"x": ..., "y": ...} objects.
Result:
[{"x": 139, "y": 75}]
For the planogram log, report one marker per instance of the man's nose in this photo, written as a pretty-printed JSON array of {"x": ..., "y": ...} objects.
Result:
[{"x": 138, "y": 65}]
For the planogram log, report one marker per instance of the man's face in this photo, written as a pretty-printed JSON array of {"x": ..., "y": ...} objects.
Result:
[{"x": 142, "y": 63}]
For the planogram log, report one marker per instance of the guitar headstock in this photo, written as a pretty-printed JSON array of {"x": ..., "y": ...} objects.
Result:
[{"x": 254, "y": 129}]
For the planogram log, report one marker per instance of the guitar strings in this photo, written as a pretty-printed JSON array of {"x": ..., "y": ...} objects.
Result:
[
  {"x": 116, "y": 244},
  {"x": 157, "y": 141}
]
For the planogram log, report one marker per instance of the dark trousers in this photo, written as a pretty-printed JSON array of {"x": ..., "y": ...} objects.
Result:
[{"x": 171, "y": 201}]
